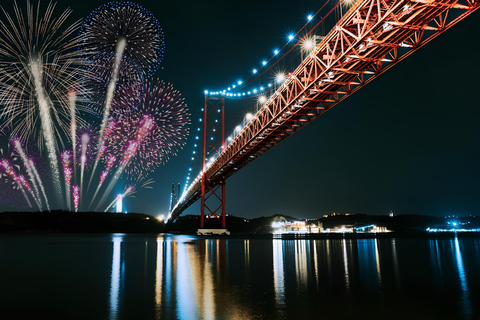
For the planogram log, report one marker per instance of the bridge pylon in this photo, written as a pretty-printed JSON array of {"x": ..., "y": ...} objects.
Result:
[{"x": 213, "y": 194}]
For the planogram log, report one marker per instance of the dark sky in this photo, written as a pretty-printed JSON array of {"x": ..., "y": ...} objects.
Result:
[{"x": 408, "y": 142}]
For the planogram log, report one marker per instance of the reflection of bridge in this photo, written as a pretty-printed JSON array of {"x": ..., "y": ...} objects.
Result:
[{"x": 369, "y": 39}]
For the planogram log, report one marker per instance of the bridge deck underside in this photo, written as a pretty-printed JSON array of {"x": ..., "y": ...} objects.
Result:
[{"x": 372, "y": 37}]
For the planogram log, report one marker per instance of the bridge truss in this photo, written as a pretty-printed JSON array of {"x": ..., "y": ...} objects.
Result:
[{"x": 370, "y": 38}]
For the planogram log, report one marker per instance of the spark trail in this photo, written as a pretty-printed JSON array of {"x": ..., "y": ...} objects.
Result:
[{"x": 46, "y": 121}]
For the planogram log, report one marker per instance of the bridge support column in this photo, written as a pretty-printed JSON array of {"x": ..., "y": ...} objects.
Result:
[{"x": 213, "y": 189}]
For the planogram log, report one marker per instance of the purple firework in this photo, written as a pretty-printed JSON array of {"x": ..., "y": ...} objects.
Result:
[
  {"x": 165, "y": 106},
  {"x": 122, "y": 20}
]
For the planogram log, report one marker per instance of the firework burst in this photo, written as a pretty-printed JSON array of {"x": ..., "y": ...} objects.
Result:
[
  {"x": 159, "y": 126},
  {"x": 39, "y": 65}
]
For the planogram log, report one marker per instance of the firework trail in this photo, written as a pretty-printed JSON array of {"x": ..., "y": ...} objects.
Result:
[
  {"x": 37, "y": 178},
  {"x": 131, "y": 31},
  {"x": 76, "y": 196},
  {"x": 103, "y": 175},
  {"x": 18, "y": 146},
  {"x": 72, "y": 97},
  {"x": 102, "y": 147},
  {"x": 20, "y": 180},
  {"x": 66, "y": 157},
  {"x": 86, "y": 136},
  {"x": 38, "y": 61}
]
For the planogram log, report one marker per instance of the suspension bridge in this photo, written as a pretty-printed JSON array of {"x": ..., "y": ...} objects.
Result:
[{"x": 370, "y": 38}]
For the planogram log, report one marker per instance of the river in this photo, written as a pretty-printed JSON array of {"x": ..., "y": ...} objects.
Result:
[{"x": 149, "y": 276}]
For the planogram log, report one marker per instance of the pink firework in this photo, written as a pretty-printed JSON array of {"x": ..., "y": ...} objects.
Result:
[
  {"x": 108, "y": 131},
  {"x": 159, "y": 125},
  {"x": 76, "y": 196},
  {"x": 66, "y": 157}
]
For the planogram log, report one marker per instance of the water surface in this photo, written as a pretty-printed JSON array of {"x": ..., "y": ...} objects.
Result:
[{"x": 117, "y": 276}]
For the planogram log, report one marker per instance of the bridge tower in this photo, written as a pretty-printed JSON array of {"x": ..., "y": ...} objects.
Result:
[{"x": 213, "y": 195}]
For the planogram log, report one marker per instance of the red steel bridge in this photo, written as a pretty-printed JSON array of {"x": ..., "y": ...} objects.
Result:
[{"x": 370, "y": 38}]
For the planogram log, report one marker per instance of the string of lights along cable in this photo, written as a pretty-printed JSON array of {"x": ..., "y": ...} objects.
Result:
[{"x": 364, "y": 40}]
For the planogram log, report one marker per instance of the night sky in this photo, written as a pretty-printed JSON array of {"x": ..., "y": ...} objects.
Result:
[{"x": 408, "y": 142}]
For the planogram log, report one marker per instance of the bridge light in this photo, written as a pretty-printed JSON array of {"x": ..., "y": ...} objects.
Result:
[
  {"x": 280, "y": 78},
  {"x": 275, "y": 52},
  {"x": 264, "y": 62},
  {"x": 290, "y": 37},
  {"x": 254, "y": 71},
  {"x": 206, "y": 91},
  {"x": 238, "y": 128},
  {"x": 239, "y": 82},
  {"x": 307, "y": 45},
  {"x": 309, "y": 17},
  {"x": 249, "y": 116},
  {"x": 262, "y": 99}
]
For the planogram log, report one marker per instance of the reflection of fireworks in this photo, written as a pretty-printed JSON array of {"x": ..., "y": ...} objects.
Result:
[
  {"x": 165, "y": 107},
  {"x": 118, "y": 20}
]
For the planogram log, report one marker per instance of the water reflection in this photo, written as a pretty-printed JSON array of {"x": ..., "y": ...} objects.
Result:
[
  {"x": 466, "y": 303},
  {"x": 159, "y": 277},
  {"x": 345, "y": 264},
  {"x": 369, "y": 263},
  {"x": 278, "y": 273},
  {"x": 116, "y": 274},
  {"x": 301, "y": 262},
  {"x": 201, "y": 278},
  {"x": 186, "y": 286}
]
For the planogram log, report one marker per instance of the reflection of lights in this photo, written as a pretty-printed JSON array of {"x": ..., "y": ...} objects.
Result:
[
  {"x": 115, "y": 276},
  {"x": 159, "y": 275},
  {"x": 278, "y": 272}
]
